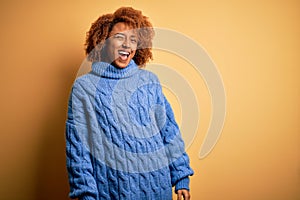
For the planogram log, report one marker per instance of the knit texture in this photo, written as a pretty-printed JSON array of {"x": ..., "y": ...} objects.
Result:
[{"x": 122, "y": 140}]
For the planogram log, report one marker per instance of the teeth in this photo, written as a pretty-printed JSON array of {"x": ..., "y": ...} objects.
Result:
[{"x": 124, "y": 53}]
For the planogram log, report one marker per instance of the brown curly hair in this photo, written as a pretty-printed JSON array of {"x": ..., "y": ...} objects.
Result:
[{"x": 101, "y": 28}]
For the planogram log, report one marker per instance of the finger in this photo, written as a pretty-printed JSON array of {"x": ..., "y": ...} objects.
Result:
[
  {"x": 179, "y": 194},
  {"x": 186, "y": 195}
]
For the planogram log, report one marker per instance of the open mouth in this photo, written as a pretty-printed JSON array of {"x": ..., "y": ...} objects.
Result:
[{"x": 123, "y": 54}]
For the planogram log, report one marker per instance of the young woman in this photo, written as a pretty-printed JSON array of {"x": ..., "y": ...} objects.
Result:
[{"x": 122, "y": 138}]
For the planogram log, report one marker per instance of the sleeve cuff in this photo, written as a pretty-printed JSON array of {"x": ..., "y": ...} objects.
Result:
[
  {"x": 87, "y": 198},
  {"x": 182, "y": 184}
]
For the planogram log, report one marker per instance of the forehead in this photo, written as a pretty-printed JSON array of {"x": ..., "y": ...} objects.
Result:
[{"x": 122, "y": 27}]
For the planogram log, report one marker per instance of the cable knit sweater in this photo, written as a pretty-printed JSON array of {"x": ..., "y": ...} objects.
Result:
[{"x": 122, "y": 141}]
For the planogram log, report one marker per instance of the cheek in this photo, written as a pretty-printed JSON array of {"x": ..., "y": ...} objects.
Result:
[
  {"x": 117, "y": 43},
  {"x": 135, "y": 47},
  {"x": 133, "y": 53},
  {"x": 112, "y": 50},
  {"x": 113, "y": 45}
]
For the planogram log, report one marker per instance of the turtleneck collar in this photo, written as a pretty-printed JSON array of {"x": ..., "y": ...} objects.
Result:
[{"x": 109, "y": 71}]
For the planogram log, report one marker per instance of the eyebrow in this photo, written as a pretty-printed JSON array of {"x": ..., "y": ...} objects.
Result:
[
  {"x": 119, "y": 34},
  {"x": 133, "y": 35}
]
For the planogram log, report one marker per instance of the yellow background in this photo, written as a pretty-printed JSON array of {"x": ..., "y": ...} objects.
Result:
[{"x": 255, "y": 45}]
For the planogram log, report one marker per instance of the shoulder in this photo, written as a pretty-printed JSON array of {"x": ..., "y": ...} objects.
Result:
[
  {"x": 150, "y": 76},
  {"x": 85, "y": 84}
]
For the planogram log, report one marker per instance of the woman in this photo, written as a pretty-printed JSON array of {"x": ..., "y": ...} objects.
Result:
[{"x": 122, "y": 138}]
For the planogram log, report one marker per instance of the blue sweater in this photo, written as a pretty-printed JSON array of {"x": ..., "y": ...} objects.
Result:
[{"x": 122, "y": 141}]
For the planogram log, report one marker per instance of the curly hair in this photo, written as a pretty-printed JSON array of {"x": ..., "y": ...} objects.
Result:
[{"x": 101, "y": 28}]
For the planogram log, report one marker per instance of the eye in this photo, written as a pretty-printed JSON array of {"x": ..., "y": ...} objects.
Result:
[
  {"x": 119, "y": 37},
  {"x": 133, "y": 40}
]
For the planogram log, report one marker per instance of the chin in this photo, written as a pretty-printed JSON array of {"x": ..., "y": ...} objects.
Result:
[{"x": 119, "y": 64}]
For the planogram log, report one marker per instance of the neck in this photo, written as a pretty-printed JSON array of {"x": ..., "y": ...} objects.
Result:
[{"x": 105, "y": 69}]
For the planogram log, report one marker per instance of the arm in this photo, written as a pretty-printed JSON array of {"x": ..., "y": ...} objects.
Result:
[
  {"x": 79, "y": 166},
  {"x": 179, "y": 161},
  {"x": 179, "y": 164},
  {"x": 174, "y": 146}
]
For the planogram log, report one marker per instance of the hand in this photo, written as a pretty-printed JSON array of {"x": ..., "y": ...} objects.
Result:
[{"x": 185, "y": 193}]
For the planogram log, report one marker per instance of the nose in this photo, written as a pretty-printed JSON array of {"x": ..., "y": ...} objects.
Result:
[{"x": 126, "y": 43}]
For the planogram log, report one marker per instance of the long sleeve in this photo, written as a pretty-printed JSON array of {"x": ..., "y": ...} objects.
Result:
[
  {"x": 80, "y": 170},
  {"x": 180, "y": 164},
  {"x": 122, "y": 139}
]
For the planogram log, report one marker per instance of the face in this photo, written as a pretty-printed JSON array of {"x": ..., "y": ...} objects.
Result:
[{"x": 121, "y": 45}]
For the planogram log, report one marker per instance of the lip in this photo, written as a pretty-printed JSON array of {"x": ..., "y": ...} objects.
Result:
[{"x": 124, "y": 54}]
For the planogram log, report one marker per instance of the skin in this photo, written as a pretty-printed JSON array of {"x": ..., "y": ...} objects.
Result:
[
  {"x": 122, "y": 38},
  {"x": 183, "y": 193}
]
